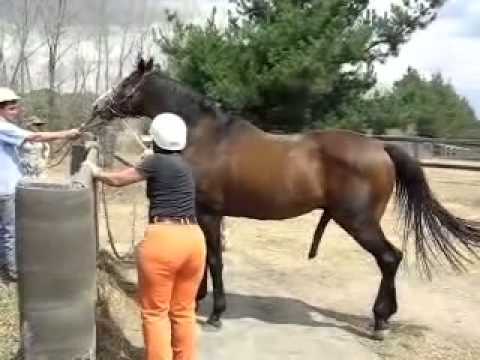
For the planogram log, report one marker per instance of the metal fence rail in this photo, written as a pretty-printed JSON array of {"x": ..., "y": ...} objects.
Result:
[
  {"x": 418, "y": 139},
  {"x": 414, "y": 143}
]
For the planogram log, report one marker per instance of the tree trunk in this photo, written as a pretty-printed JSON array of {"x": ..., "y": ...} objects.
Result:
[
  {"x": 29, "y": 74},
  {"x": 51, "y": 82},
  {"x": 3, "y": 65},
  {"x": 126, "y": 46},
  {"x": 99, "y": 64},
  {"x": 106, "y": 50}
]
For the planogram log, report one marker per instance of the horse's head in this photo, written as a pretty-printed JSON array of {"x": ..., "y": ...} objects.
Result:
[
  {"x": 148, "y": 91},
  {"x": 127, "y": 98}
]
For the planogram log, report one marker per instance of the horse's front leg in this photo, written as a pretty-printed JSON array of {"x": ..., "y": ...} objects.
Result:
[
  {"x": 202, "y": 289},
  {"x": 210, "y": 225}
]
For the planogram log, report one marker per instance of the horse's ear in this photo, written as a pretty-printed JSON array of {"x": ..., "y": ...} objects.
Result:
[
  {"x": 149, "y": 65},
  {"x": 141, "y": 65}
]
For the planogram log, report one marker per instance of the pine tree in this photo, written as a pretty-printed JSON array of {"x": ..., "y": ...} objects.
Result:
[{"x": 291, "y": 64}]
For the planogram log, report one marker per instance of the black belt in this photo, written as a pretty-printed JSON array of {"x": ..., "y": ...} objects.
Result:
[{"x": 182, "y": 220}]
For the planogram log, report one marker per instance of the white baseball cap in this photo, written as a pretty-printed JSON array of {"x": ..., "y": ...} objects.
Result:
[
  {"x": 7, "y": 94},
  {"x": 169, "y": 131}
]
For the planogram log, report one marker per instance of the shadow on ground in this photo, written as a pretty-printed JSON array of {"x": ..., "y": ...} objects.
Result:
[
  {"x": 268, "y": 309},
  {"x": 284, "y": 310}
]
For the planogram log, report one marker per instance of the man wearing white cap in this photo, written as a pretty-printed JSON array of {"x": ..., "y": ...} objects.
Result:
[
  {"x": 34, "y": 155},
  {"x": 11, "y": 138}
]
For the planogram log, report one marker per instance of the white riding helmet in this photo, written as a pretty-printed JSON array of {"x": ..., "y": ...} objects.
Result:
[
  {"x": 7, "y": 94},
  {"x": 169, "y": 132}
]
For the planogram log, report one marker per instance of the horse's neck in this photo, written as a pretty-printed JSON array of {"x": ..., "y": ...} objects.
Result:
[
  {"x": 205, "y": 130},
  {"x": 210, "y": 132}
]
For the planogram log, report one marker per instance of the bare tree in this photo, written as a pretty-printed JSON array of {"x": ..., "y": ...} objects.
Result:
[
  {"x": 86, "y": 70},
  {"x": 3, "y": 64},
  {"x": 76, "y": 68},
  {"x": 78, "y": 61},
  {"x": 55, "y": 18},
  {"x": 106, "y": 52},
  {"x": 127, "y": 42},
  {"x": 82, "y": 69},
  {"x": 101, "y": 27},
  {"x": 98, "y": 45},
  {"x": 127, "y": 45},
  {"x": 24, "y": 18},
  {"x": 143, "y": 31}
]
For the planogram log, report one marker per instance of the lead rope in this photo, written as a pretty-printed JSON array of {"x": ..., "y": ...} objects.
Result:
[
  {"x": 127, "y": 258},
  {"x": 68, "y": 143}
]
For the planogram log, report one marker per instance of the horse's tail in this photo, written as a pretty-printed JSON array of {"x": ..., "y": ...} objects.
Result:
[{"x": 434, "y": 228}]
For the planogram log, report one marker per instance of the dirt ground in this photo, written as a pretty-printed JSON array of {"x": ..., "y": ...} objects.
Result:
[{"x": 283, "y": 306}]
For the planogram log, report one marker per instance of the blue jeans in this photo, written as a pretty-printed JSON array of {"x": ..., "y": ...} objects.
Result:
[{"x": 7, "y": 233}]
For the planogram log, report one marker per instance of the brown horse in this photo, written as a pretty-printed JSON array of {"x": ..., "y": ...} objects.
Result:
[{"x": 243, "y": 171}]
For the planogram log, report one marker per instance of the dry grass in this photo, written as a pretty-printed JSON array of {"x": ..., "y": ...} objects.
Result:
[
  {"x": 112, "y": 342},
  {"x": 437, "y": 321},
  {"x": 9, "y": 333}
]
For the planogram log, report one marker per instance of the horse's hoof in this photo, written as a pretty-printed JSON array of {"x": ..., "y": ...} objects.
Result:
[{"x": 380, "y": 335}]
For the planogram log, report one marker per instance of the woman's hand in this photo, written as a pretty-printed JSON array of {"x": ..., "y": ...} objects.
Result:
[
  {"x": 94, "y": 169},
  {"x": 115, "y": 178},
  {"x": 146, "y": 152}
]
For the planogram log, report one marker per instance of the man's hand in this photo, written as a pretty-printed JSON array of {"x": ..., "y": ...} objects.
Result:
[
  {"x": 72, "y": 134},
  {"x": 46, "y": 136}
]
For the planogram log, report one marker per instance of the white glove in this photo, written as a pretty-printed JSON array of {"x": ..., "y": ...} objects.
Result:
[
  {"x": 146, "y": 153},
  {"x": 94, "y": 169}
]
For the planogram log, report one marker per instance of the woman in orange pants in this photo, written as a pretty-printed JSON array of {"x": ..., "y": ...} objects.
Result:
[{"x": 171, "y": 258}]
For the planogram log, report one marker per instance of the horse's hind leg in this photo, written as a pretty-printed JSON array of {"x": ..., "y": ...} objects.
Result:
[
  {"x": 317, "y": 237},
  {"x": 366, "y": 230}
]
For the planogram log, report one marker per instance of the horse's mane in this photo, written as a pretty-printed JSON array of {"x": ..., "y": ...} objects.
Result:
[{"x": 193, "y": 97}]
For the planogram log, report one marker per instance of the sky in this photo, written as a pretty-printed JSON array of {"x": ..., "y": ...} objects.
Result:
[{"x": 450, "y": 45}]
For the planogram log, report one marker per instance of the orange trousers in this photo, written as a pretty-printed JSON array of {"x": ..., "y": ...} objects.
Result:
[{"x": 171, "y": 261}]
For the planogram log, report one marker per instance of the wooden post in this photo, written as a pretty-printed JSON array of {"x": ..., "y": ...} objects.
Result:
[
  {"x": 83, "y": 177},
  {"x": 79, "y": 154}
]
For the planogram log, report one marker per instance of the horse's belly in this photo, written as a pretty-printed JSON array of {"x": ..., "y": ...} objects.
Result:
[{"x": 273, "y": 206}]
